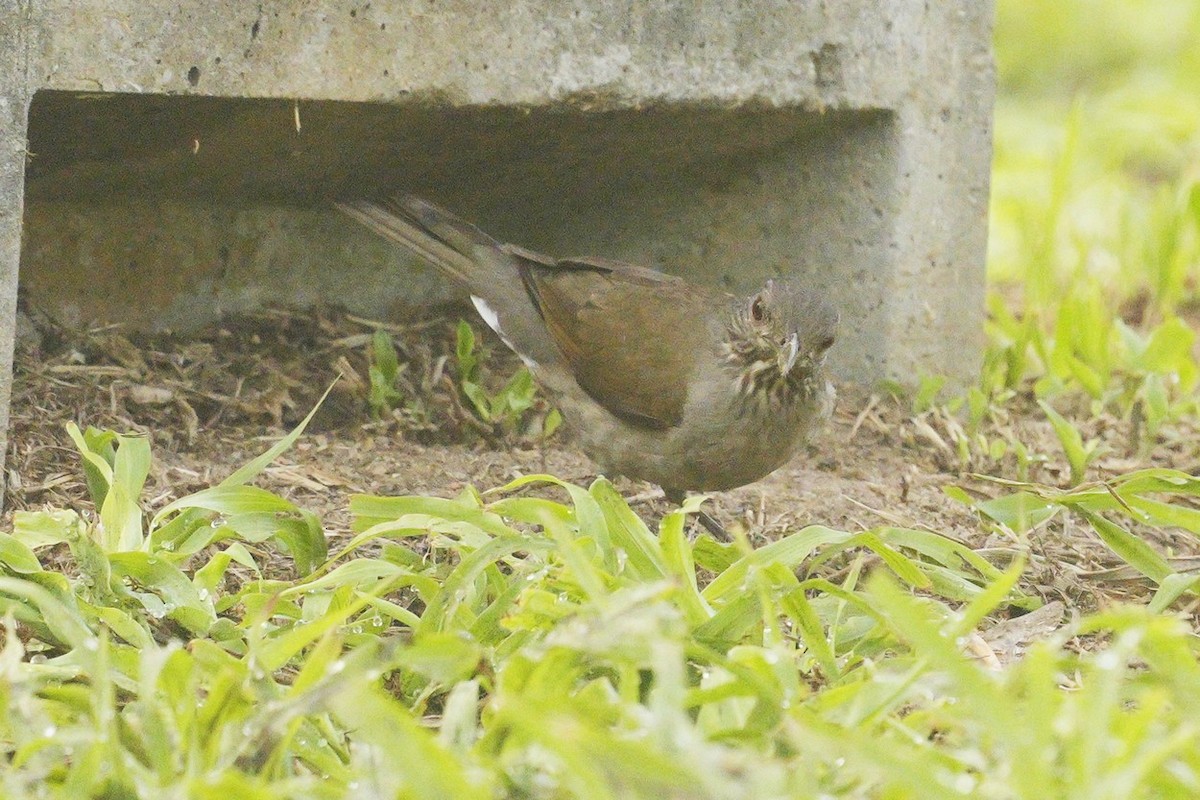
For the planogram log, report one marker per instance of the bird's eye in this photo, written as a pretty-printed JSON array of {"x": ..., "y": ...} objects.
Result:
[{"x": 758, "y": 310}]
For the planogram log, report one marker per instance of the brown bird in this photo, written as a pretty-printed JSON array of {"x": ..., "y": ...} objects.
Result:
[{"x": 682, "y": 385}]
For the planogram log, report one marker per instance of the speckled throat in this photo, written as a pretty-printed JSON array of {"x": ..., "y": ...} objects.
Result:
[{"x": 757, "y": 378}]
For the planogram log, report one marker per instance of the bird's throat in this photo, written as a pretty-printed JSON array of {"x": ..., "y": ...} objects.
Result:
[{"x": 761, "y": 384}]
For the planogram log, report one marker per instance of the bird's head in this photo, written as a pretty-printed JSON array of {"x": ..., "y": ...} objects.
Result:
[{"x": 777, "y": 340}]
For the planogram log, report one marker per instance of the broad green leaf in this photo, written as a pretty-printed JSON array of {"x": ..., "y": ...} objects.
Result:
[
  {"x": 274, "y": 653},
  {"x": 37, "y": 529},
  {"x": 383, "y": 395},
  {"x": 585, "y": 510},
  {"x": 789, "y": 551},
  {"x": 95, "y": 566},
  {"x": 587, "y": 575},
  {"x": 65, "y": 623},
  {"x": 178, "y": 598},
  {"x": 120, "y": 623},
  {"x": 305, "y": 541},
  {"x": 1020, "y": 512},
  {"x": 1170, "y": 351},
  {"x": 116, "y": 468},
  {"x": 183, "y": 534},
  {"x": 120, "y": 528},
  {"x": 1072, "y": 442},
  {"x": 443, "y": 605},
  {"x": 1131, "y": 549},
  {"x": 464, "y": 349},
  {"x": 319, "y": 663},
  {"x": 1162, "y": 514},
  {"x": 952, "y": 584},
  {"x": 944, "y": 550},
  {"x": 369, "y": 510},
  {"x": 905, "y": 568},
  {"x": 627, "y": 532},
  {"x": 677, "y": 553},
  {"x": 407, "y": 526},
  {"x": 228, "y": 499},
  {"x": 795, "y": 604},
  {"x": 445, "y": 658},
  {"x": 519, "y": 393},
  {"x": 460, "y": 726},
  {"x": 1093, "y": 381},
  {"x": 361, "y": 573},
  {"x": 208, "y": 577},
  {"x": 1171, "y": 588},
  {"x": 552, "y": 423},
  {"x": 489, "y": 627},
  {"x": 131, "y": 465},
  {"x": 394, "y": 611},
  {"x": 1156, "y": 480},
  {"x": 431, "y": 770},
  {"x": 479, "y": 400},
  {"x": 732, "y": 621},
  {"x": 15, "y": 556},
  {"x": 1157, "y": 402},
  {"x": 96, "y": 451},
  {"x": 714, "y": 556}
]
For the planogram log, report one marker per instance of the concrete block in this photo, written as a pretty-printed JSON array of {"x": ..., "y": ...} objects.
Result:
[
  {"x": 183, "y": 154},
  {"x": 14, "y": 102}
]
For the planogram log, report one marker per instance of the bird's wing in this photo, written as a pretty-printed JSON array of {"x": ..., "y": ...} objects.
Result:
[{"x": 630, "y": 335}]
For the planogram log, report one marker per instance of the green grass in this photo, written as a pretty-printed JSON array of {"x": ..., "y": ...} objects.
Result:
[
  {"x": 1096, "y": 203},
  {"x": 522, "y": 647},
  {"x": 511, "y": 645}
]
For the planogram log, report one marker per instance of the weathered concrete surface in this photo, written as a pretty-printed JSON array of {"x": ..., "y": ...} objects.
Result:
[
  {"x": 245, "y": 216},
  {"x": 514, "y": 52},
  {"x": 184, "y": 153},
  {"x": 14, "y": 97}
]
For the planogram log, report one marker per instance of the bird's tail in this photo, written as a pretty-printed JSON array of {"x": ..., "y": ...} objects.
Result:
[
  {"x": 446, "y": 241},
  {"x": 490, "y": 271}
]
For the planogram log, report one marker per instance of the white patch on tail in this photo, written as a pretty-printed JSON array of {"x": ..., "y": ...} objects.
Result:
[
  {"x": 489, "y": 316},
  {"x": 493, "y": 321}
]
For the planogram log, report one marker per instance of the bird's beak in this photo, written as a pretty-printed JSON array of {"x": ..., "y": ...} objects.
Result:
[{"x": 787, "y": 355}]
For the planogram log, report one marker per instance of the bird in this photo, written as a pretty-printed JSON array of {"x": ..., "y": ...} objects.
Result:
[{"x": 660, "y": 379}]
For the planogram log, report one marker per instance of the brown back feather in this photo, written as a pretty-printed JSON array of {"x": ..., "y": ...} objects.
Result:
[{"x": 598, "y": 311}]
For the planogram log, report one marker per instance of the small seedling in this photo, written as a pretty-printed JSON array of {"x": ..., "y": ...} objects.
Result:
[
  {"x": 506, "y": 408},
  {"x": 1080, "y": 454},
  {"x": 383, "y": 370}
]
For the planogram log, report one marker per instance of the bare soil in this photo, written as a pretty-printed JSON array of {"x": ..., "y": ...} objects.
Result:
[{"x": 211, "y": 400}]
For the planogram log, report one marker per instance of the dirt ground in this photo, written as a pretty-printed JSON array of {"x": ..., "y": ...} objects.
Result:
[{"x": 211, "y": 400}]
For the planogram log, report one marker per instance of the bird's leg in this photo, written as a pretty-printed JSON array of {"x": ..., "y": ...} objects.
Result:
[
  {"x": 716, "y": 529},
  {"x": 712, "y": 526}
]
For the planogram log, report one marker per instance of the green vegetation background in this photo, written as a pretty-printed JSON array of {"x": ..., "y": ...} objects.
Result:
[{"x": 1095, "y": 198}]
